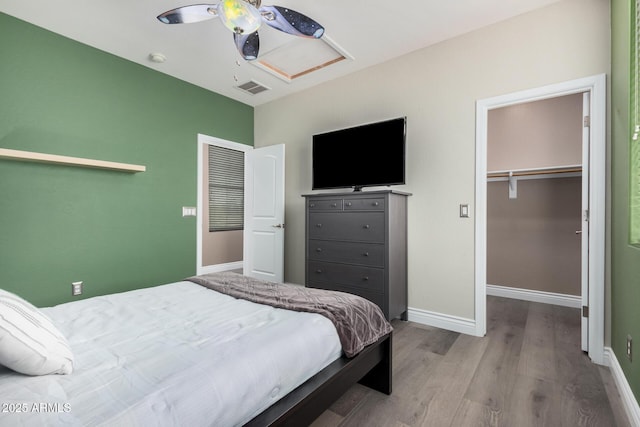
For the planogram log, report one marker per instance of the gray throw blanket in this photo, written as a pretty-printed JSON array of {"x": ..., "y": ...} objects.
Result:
[{"x": 359, "y": 322}]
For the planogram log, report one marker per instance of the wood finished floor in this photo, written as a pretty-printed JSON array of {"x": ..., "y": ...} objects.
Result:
[{"x": 527, "y": 371}]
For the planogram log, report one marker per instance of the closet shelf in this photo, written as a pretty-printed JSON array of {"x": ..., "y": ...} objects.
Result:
[
  {"x": 535, "y": 171},
  {"x": 30, "y": 156}
]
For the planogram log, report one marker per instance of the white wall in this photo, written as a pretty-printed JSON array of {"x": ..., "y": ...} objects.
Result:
[{"x": 436, "y": 88}]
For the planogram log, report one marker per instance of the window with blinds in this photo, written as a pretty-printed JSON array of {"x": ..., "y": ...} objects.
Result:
[
  {"x": 226, "y": 189},
  {"x": 634, "y": 119}
]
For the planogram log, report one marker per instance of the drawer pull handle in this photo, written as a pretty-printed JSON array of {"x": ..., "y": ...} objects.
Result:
[
  {"x": 318, "y": 249},
  {"x": 375, "y": 203},
  {"x": 318, "y": 271},
  {"x": 365, "y": 254},
  {"x": 365, "y": 278},
  {"x": 366, "y": 226},
  {"x": 319, "y": 225},
  {"x": 312, "y": 205},
  {"x": 333, "y": 205},
  {"x": 348, "y": 203}
]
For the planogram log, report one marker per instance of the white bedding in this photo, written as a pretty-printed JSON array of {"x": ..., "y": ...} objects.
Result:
[{"x": 177, "y": 354}]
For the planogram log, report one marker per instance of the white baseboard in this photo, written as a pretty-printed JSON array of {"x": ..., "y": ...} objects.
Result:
[
  {"x": 564, "y": 300},
  {"x": 626, "y": 394},
  {"x": 220, "y": 267},
  {"x": 443, "y": 321}
]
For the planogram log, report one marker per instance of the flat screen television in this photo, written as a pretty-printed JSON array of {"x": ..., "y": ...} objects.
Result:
[{"x": 368, "y": 155}]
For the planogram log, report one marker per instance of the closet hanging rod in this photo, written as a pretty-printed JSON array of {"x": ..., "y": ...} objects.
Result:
[{"x": 540, "y": 171}]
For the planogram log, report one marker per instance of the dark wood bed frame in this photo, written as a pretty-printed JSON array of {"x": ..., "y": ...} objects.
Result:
[{"x": 371, "y": 367}]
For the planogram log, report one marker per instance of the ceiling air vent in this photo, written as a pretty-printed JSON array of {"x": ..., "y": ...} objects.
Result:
[{"x": 252, "y": 87}]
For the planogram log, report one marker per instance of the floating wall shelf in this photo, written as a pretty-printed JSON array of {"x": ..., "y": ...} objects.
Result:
[{"x": 29, "y": 156}]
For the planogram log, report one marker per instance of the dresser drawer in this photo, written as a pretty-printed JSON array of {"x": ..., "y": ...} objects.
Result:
[
  {"x": 325, "y": 204},
  {"x": 346, "y": 275},
  {"x": 358, "y": 226},
  {"x": 376, "y": 204},
  {"x": 371, "y": 254}
]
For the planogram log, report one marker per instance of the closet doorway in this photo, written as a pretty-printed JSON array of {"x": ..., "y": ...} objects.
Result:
[
  {"x": 540, "y": 164},
  {"x": 535, "y": 201}
]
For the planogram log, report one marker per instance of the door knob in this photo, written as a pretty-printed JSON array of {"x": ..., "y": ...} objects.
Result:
[{"x": 278, "y": 226}]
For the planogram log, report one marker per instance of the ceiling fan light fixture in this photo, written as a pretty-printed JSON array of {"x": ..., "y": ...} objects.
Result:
[
  {"x": 239, "y": 16},
  {"x": 243, "y": 18}
]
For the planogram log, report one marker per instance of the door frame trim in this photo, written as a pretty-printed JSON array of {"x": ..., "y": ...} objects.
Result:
[
  {"x": 596, "y": 85},
  {"x": 210, "y": 140}
]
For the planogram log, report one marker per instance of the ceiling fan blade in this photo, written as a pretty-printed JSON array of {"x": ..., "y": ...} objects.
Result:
[
  {"x": 247, "y": 44},
  {"x": 291, "y": 22},
  {"x": 189, "y": 14}
]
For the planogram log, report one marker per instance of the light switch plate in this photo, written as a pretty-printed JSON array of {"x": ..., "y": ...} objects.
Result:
[
  {"x": 188, "y": 211},
  {"x": 464, "y": 211},
  {"x": 76, "y": 288}
]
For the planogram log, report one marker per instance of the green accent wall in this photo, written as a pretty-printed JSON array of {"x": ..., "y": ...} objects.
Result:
[
  {"x": 625, "y": 258},
  {"x": 634, "y": 148},
  {"x": 115, "y": 231}
]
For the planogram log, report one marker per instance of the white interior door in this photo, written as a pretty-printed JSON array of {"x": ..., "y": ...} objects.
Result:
[
  {"x": 586, "y": 130},
  {"x": 264, "y": 213}
]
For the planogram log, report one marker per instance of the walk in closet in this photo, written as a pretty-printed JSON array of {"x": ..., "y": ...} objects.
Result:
[{"x": 534, "y": 197}]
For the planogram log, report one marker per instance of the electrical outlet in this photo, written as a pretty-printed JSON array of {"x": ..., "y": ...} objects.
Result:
[
  {"x": 629, "y": 350},
  {"x": 76, "y": 288}
]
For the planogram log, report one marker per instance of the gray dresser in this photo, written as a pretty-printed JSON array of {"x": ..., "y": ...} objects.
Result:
[{"x": 357, "y": 242}]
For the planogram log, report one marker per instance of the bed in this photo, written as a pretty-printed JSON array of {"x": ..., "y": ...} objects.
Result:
[{"x": 191, "y": 353}]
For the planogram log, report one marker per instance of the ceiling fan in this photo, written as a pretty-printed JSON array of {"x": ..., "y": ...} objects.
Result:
[{"x": 244, "y": 17}]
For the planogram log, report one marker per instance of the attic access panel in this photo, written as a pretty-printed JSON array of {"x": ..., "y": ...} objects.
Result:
[{"x": 298, "y": 57}]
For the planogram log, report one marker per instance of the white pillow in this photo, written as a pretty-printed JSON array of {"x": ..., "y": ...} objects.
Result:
[{"x": 29, "y": 343}]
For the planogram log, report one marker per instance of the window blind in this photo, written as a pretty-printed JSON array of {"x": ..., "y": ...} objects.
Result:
[
  {"x": 634, "y": 119},
  {"x": 226, "y": 189}
]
